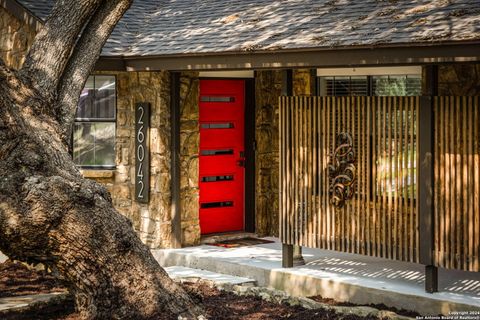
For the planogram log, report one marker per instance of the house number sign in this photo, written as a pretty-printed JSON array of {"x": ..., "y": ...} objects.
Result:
[{"x": 142, "y": 159}]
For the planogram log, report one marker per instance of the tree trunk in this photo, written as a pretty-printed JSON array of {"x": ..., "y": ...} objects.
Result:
[{"x": 49, "y": 213}]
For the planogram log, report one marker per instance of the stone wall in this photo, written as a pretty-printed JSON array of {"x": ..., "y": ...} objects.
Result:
[
  {"x": 459, "y": 80},
  {"x": 303, "y": 82},
  {"x": 152, "y": 221},
  {"x": 268, "y": 87},
  {"x": 189, "y": 148},
  {"x": 15, "y": 39}
]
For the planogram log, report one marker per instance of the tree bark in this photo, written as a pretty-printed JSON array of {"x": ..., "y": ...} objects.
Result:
[
  {"x": 52, "y": 47},
  {"x": 50, "y": 214},
  {"x": 84, "y": 56}
]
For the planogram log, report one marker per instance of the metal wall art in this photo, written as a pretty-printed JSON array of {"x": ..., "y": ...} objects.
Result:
[{"x": 342, "y": 171}]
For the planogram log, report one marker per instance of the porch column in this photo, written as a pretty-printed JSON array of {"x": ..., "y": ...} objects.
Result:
[{"x": 426, "y": 178}]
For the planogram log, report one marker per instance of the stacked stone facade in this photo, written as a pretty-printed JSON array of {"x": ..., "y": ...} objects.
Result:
[
  {"x": 459, "y": 80},
  {"x": 16, "y": 38},
  {"x": 189, "y": 149},
  {"x": 268, "y": 87}
]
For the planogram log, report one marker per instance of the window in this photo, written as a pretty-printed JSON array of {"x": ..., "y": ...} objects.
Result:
[
  {"x": 94, "y": 128},
  {"x": 379, "y": 85}
]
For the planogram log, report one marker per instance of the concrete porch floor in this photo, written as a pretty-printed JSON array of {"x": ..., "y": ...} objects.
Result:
[{"x": 341, "y": 276}]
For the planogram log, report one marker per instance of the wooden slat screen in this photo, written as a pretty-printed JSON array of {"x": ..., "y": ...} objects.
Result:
[
  {"x": 380, "y": 220},
  {"x": 457, "y": 182}
]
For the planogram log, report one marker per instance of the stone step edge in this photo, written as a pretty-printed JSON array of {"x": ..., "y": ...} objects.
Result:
[
  {"x": 52, "y": 298},
  {"x": 241, "y": 280},
  {"x": 280, "y": 297}
]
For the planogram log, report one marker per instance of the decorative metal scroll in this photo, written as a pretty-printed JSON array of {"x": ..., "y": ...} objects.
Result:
[{"x": 342, "y": 171}]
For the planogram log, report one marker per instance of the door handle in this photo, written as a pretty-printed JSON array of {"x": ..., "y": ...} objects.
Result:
[{"x": 241, "y": 163}]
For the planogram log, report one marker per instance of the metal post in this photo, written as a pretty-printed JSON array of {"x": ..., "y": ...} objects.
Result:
[
  {"x": 175, "y": 158},
  {"x": 287, "y": 255},
  {"x": 425, "y": 187},
  {"x": 297, "y": 256}
]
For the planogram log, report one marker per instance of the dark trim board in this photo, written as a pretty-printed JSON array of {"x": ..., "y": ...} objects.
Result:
[
  {"x": 175, "y": 158},
  {"x": 250, "y": 155},
  {"x": 312, "y": 58}
]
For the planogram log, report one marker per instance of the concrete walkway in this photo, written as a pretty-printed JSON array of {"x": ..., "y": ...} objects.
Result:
[
  {"x": 341, "y": 276},
  {"x": 179, "y": 272},
  {"x": 23, "y": 302}
]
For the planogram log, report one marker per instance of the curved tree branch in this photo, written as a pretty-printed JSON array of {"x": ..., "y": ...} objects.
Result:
[
  {"x": 52, "y": 47},
  {"x": 83, "y": 59}
]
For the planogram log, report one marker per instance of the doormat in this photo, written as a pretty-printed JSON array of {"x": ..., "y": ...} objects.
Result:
[{"x": 240, "y": 242}]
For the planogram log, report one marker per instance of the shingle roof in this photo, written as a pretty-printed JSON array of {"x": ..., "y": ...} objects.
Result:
[{"x": 165, "y": 27}]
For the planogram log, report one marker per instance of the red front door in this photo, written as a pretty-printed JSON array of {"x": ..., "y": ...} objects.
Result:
[{"x": 222, "y": 108}]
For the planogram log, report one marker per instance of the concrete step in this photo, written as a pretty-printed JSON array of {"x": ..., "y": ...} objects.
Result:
[{"x": 180, "y": 272}]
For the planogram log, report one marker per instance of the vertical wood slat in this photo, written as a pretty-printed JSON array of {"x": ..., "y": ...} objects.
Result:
[
  {"x": 360, "y": 230},
  {"x": 440, "y": 205},
  {"x": 476, "y": 200},
  {"x": 370, "y": 173},
  {"x": 383, "y": 182},
  {"x": 457, "y": 203},
  {"x": 311, "y": 175},
  {"x": 464, "y": 183},
  {"x": 451, "y": 107},
  {"x": 400, "y": 181},
  {"x": 470, "y": 184},
  {"x": 458, "y": 181},
  {"x": 315, "y": 162},
  {"x": 412, "y": 176},
  {"x": 280, "y": 162},
  {"x": 343, "y": 234},
  {"x": 294, "y": 168},
  {"x": 301, "y": 182},
  {"x": 436, "y": 197},
  {"x": 394, "y": 180},
  {"x": 325, "y": 194},
  {"x": 337, "y": 104}
]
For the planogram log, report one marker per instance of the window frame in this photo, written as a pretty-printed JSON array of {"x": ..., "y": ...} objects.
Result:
[{"x": 98, "y": 120}]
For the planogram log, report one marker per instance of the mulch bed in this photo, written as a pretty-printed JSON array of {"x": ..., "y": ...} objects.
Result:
[
  {"x": 332, "y": 302},
  {"x": 16, "y": 279}
]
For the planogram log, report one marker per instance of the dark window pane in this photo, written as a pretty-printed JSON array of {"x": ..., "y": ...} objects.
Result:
[
  {"x": 211, "y": 205},
  {"x": 87, "y": 97},
  {"x": 397, "y": 86},
  {"x": 94, "y": 144},
  {"x": 228, "y": 125},
  {"x": 105, "y": 97},
  {"x": 217, "y": 178},
  {"x": 216, "y": 152},
  {"x": 216, "y": 99},
  {"x": 97, "y": 100}
]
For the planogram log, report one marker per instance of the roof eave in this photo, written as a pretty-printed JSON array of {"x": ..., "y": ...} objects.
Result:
[{"x": 348, "y": 56}]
